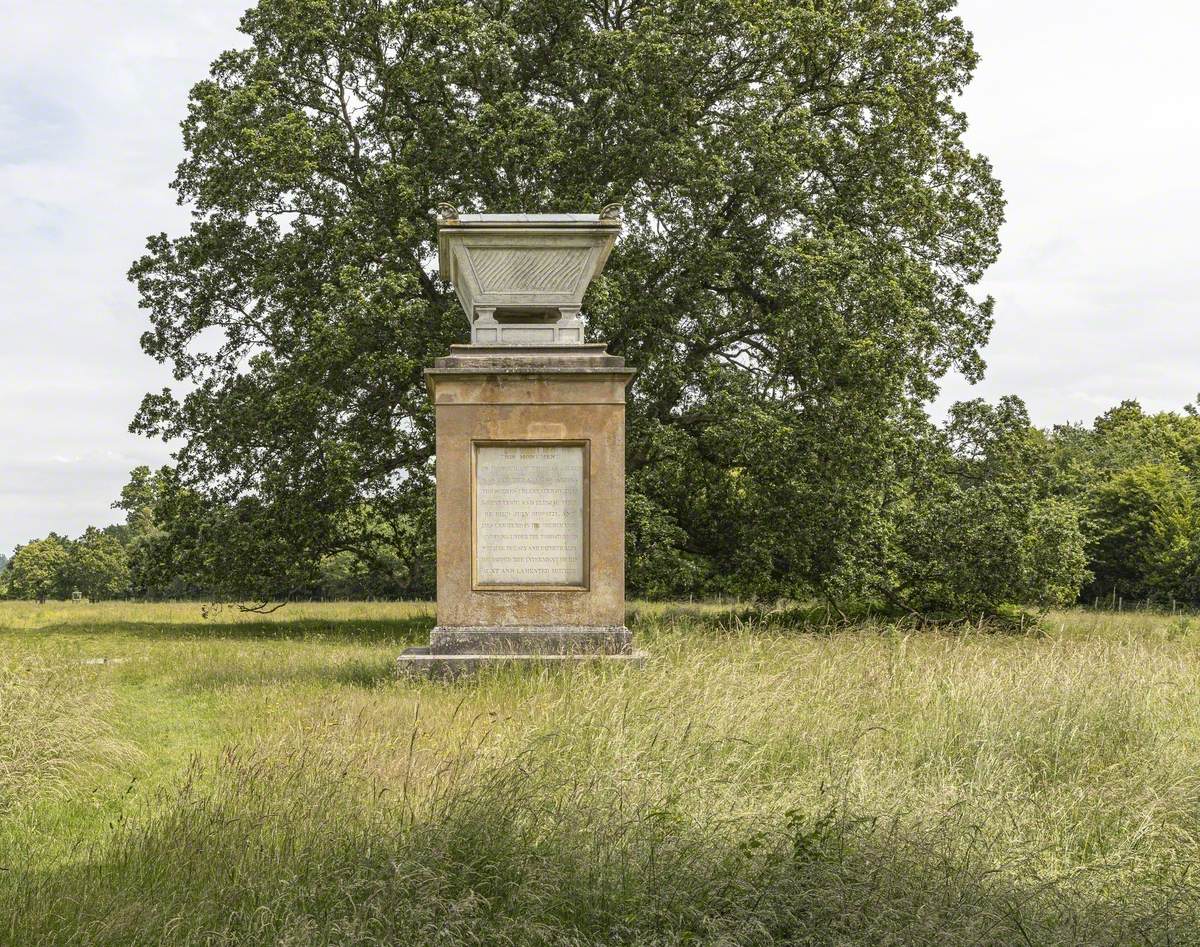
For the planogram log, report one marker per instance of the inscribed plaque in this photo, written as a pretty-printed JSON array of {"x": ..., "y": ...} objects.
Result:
[{"x": 529, "y": 515}]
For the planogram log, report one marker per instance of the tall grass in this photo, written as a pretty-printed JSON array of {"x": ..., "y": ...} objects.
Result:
[
  {"x": 51, "y": 730},
  {"x": 755, "y": 784}
]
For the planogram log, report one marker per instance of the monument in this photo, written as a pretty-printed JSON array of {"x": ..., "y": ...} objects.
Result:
[{"x": 530, "y": 451}]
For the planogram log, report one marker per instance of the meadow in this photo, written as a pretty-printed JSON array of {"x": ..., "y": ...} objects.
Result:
[{"x": 175, "y": 774}]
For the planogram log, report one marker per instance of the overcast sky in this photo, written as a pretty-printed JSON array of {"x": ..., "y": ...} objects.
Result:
[{"x": 1090, "y": 112}]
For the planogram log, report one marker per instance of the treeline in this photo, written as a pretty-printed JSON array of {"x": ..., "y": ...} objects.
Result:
[
  {"x": 986, "y": 510},
  {"x": 95, "y": 566},
  {"x": 144, "y": 558},
  {"x": 1135, "y": 479},
  {"x": 973, "y": 515}
]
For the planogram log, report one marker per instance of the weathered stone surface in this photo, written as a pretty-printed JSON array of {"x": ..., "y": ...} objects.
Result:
[
  {"x": 420, "y": 663},
  {"x": 507, "y": 402},
  {"x": 542, "y": 358},
  {"x": 530, "y": 515},
  {"x": 531, "y": 639},
  {"x": 521, "y": 277},
  {"x": 530, "y": 455}
]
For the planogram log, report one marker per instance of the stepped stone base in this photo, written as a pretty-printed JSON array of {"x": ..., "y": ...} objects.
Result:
[
  {"x": 417, "y": 662},
  {"x": 531, "y": 639},
  {"x": 457, "y": 651}
]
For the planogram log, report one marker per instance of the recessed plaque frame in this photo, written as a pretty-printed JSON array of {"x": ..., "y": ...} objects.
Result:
[{"x": 585, "y": 524}]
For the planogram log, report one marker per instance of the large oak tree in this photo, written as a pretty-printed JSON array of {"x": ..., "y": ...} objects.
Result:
[{"x": 804, "y": 226}]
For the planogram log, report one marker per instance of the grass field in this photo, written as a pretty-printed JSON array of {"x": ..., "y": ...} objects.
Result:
[{"x": 168, "y": 777}]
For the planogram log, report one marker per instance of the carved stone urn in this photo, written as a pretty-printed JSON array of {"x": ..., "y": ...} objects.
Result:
[{"x": 521, "y": 277}]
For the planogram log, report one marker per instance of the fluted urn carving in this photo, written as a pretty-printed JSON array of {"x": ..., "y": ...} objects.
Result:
[{"x": 520, "y": 278}]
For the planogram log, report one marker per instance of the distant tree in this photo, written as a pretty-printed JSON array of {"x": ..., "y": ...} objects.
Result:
[
  {"x": 140, "y": 499},
  {"x": 39, "y": 569},
  {"x": 658, "y": 564},
  {"x": 1144, "y": 525},
  {"x": 97, "y": 566},
  {"x": 976, "y": 525},
  {"x": 804, "y": 227},
  {"x": 154, "y": 571},
  {"x": 118, "y": 531},
  {"x": 1137, "y": 477},
  {"x": 1128, "y": 437}
]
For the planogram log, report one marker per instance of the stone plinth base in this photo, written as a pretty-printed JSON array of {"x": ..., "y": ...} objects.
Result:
[
  {"x": 418, "y": 662},
  {"x": 531, "y": 639},
  {"x": 454, "y": 651}
]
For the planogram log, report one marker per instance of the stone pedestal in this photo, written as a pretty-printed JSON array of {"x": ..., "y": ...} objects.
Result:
[{"x": 530, "y": 508}]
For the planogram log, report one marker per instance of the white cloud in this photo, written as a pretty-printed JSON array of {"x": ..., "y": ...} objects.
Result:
[{"x": 1090, "y": 114}]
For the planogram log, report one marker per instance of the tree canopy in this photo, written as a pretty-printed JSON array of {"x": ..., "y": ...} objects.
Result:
[
  {"x": 804, "y": 225},
  {"x": 37, "y": 569},
  {"x": 1136, "y": 477},
  {"x": 97, "y": 566}
]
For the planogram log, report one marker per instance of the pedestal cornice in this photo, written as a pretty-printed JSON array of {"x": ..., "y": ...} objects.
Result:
[{"x": 497, "y": 374}]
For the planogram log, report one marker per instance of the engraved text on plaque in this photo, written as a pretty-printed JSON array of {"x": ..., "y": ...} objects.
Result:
[{"x": 529, "y": 515}]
